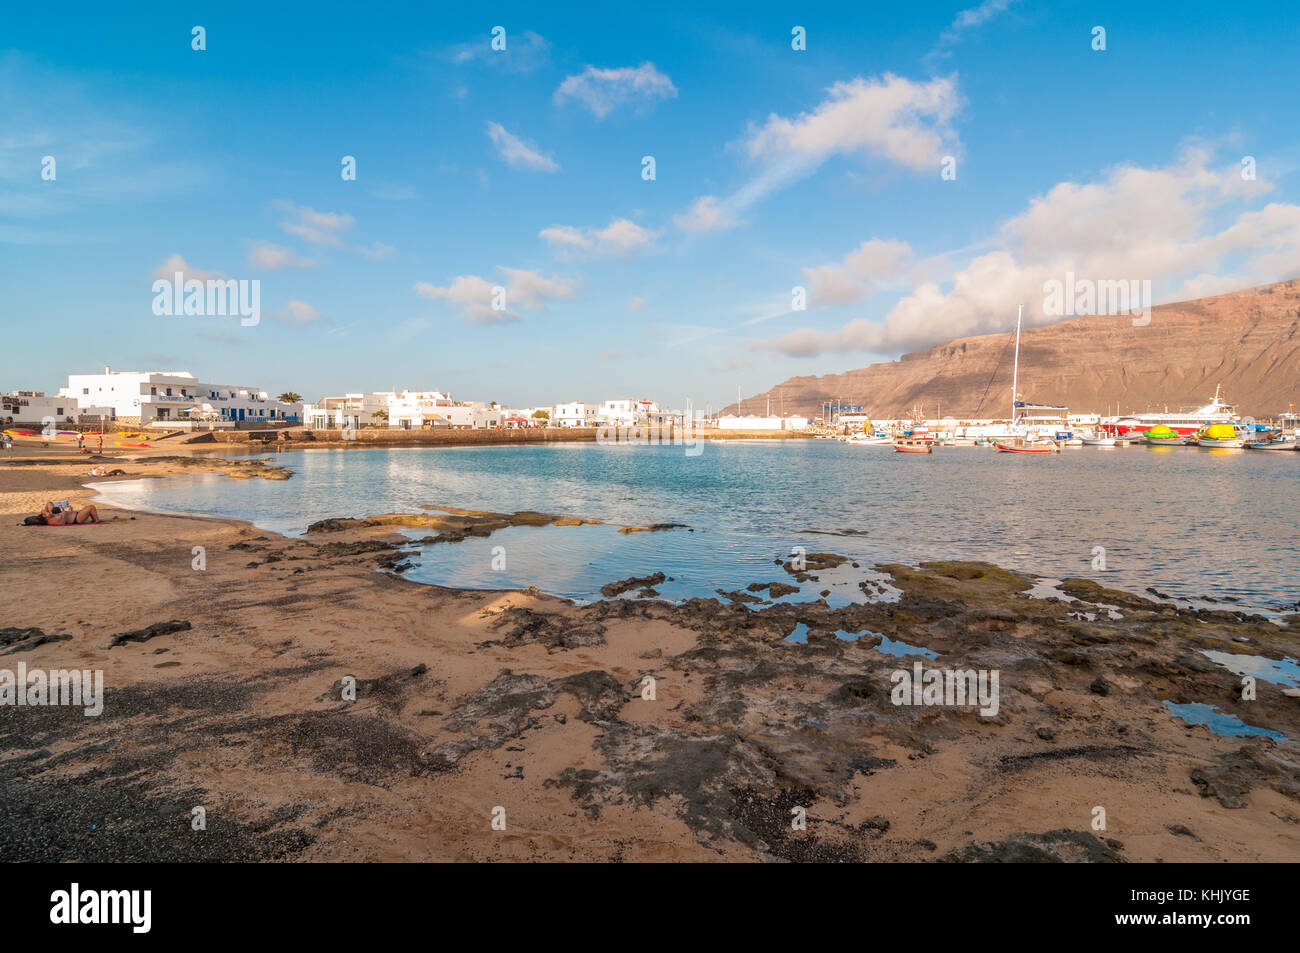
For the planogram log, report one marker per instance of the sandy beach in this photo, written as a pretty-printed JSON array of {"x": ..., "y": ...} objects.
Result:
[{"x": 469, "y": 702}]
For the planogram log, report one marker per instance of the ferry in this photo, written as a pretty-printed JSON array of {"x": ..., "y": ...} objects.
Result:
[{"x": 1184, "y": 424}]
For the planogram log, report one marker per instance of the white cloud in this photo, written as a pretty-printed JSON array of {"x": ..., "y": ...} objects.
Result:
[
  {"x": 318, "y": 228},
  {"x": 859, "y": 274},
  {"x": 297, "y": 312},
  {"x": 966, "y": 21},
  {"x": 525, "y": 51},
  {"x": 604, "y": 90},
  {"x": 269, "y": 257},
  {"x": 707, "y": 214},
  {"x": 175, "y": 263},
  {"x": 1173, "y": 226},
  {"x": 637, "y": 304},
  {"x": 476, "y": 296},
  {"x": 890, "y": 118},
  {"x": 518, "y": 154},
  {"x": 620, "y": 237}
]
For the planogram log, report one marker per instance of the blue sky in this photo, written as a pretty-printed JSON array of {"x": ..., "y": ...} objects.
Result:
[{"x": 522, "y": 169}]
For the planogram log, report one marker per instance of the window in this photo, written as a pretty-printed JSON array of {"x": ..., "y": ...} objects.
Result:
[{"x": 85, "y": 390}]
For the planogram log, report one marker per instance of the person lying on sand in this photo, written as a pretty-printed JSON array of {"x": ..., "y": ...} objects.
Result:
[
  {"x": 101, "y": 471},
  {"x": 67, "y": 517}
]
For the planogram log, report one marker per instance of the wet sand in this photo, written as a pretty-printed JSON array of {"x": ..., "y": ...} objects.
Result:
[{"x": 471, "y": 701}]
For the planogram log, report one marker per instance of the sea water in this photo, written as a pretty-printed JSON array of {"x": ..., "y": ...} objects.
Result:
[{"x": 1189, "y": 523}]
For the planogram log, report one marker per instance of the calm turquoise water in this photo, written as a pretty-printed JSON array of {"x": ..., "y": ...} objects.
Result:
[{"x": 1187, "y": 522}]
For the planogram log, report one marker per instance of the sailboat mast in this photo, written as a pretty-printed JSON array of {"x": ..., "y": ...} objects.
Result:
[{"x": 1015, "y": 373}]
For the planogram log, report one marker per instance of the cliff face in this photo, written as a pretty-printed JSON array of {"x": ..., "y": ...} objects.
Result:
[{"x": 1248, "y": 341}]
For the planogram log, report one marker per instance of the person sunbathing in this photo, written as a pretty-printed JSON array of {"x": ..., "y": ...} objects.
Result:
[
  {"x": 101, "y": 471},
  {"x": 68, "y": 516}
]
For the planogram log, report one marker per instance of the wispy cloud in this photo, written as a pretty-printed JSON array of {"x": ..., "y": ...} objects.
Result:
[
  {"x": 326, "y": 229},
  {"x": 525, "y": 52},
  {"x": 318, "y": 228},
  {"x": 485, "y": 302},
  {"x": 890, "y": 119},
  {"x": 517, "y": 153},
  {"x": 297, "y": 312},
  {"x": 176, "y": 263},
  {"x": 620, "y": 237},
  {"x": 268, "y": 257},
  {"x": 604, "y": 90},
  {"x": 965, "y": 22}
]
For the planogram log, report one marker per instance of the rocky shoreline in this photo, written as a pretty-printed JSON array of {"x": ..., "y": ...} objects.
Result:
[{"x": 631, "y": 728}]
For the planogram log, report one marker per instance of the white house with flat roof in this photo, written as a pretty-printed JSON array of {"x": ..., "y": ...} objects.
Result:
[
  {"x": 574, "y": 414},
  {"x": 149, "y": 397}
]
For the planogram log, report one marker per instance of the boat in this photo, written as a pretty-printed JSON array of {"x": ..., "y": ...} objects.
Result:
[
  {"x": 1186, "y": 423},
  {"x": 1280, "y": 442},
  {"x": 1025, "y": 439},
  {"x": 1164, "y": 436},
  {"x": 1099, "y": 440},
  {"x": 877, "y": 438},
  {"x": 913, "y": 445},
  {"x": 1021, "y": 445},
  {"x": 1222, "y": 436}
]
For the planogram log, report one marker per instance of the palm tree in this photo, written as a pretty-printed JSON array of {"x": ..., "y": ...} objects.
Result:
[
  {"x": 380, "y": 415},
  {"x": 289, "y": 397}
]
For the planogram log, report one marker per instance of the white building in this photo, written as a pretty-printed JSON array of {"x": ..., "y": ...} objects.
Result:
[
  {"x": 626, "y": 412},
  {"x": 145, "y": 397},
  {"x": 408, "y": 410},
  {"x": 33, "y": 407},
  {"x": 574, "y": 414},
  {"x": 415, "y": 410},
  {"x": 475, "y": 416}
]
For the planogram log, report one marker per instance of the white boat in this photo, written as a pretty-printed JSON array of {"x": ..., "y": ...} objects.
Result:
[
  {"x": 1098, "y": 440},
  {"x": 870, "y": 440},
  {"x": 1223, "y": 436},
  {"x": 1277, "y": 443},
  {"x": 1186, "y": 423}
]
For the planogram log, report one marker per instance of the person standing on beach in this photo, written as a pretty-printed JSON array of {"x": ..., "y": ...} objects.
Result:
[
  {"x": 99, "y": 443},
  {"x": 81, "y": 441}
]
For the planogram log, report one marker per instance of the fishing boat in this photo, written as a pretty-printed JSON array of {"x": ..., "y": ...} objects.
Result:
[
  {"x": 1021, "y": 445},
  {"x": 1099, "y": 440},
  {"x": 1221, "y": 436},
  {"x": 913, "y": 445},
  {"x": 875, "y": 438},
  {"x": 1163, "y": 436},
  {"x": 1280, "y": 442}
]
